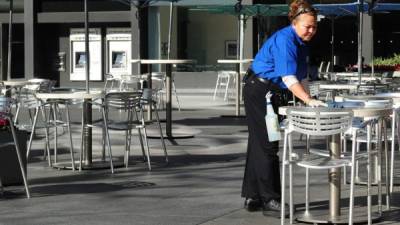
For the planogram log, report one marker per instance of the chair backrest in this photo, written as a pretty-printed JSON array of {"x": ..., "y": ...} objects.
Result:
[
  {"x": 319, "y": 121},
  {"x": 328, "y": 67},
  {"x": 122, "y": 100},
  {"x": 321, "y": 67}
]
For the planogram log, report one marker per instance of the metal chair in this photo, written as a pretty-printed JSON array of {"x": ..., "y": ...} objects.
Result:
[
  {"x": 6, "y": 115},
  {"x": 129, "y": 102},
  {"x": 54, "y": 119},
  {"x": 317, "y": 122},
  {"x": 160, "y": 76},
  {"x": 27, "y": 101},
  {"x": 224, "y": 78}
]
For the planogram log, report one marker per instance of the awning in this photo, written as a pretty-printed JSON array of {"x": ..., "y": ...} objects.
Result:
[{"x": 246, "y": 10}]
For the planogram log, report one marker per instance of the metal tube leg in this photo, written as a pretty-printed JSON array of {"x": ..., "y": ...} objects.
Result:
[
  {"x": 387, "y": 184},
  {"x": 357, "y": 164},
  {"x": 369, "y": 198},
  {"x": 344, "y": 168},
  {"x": 283, "y": 180},
  {"x": 140, "y": 138},
  {"x": 176, "y": 94},
  {"x": 145, "y": 139},
  {"x": 103, "y": 144},
  {"x": 17, "y": 113},
  {"x": 32, "y": 133},
  {"x": 394, "y": 127},
  {"x": 108, "y": 141},
  {"x": 70, "y": 138},
  {"x": 55, "y": 131},
  {"x": 352, "y": 178},
  {"x": 291, "y": 205},
  {"x": 216, "y": 87},
  {"x": 161, "y": 133},
  {"x": 44, "y": 117},
  {"x": 21, "y": 165},
  {"x": 128, "y": 138},
  {"x": 379, "y": 165}
]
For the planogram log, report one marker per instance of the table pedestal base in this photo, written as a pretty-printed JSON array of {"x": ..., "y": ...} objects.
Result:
[
  {"x": 174, "y": 135},
  {"x": 234, "y": 116},
  {"x": 98, "y": 164},
  {"x": 322, "y": 216}
]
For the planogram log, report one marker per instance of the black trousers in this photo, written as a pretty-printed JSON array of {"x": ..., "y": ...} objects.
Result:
[{"x": 262, "y": 174}]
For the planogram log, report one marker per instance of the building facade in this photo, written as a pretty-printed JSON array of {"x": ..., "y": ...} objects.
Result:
[{"x": 48, "y": 37}]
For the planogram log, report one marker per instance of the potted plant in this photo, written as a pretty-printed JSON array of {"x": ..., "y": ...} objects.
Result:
[{"x": 387, "y": 64}]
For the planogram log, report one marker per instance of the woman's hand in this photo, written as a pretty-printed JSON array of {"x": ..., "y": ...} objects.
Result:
[{"x": 316, "y": 103}]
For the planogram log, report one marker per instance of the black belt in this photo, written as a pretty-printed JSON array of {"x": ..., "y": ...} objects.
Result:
[
  {"x": 265, "y": 81},
  {"x": 250, "y": 74},
  {"x": 271, "y": 85}
]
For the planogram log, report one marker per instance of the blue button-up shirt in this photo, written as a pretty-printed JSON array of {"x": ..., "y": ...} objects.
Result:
[{"x": 283, "y": 54}]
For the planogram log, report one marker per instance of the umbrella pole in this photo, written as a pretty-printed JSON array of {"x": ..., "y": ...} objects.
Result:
[
  {"x": 333, "y": 43},
  {"x": 87, "y": 107},
  {"x": 372, "y": 46},
  {"x": 171, "y": 14},
  {"x": 360, "y": 27},
  {"x": 9, "y": 55},
  {"x": 87, "y": 52},
  {"x": 241, "y": 38}
]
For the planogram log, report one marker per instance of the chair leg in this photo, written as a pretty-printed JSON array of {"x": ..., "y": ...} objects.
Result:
[
  {"x": 176, "y": 95},
  {"x": 137, "y": 120},
  {"x": 344, "y": 168},
  {"x": 108, "y": 140},
  {"x": 394, "y": 127},
  {"x": 128, "y": 139},
  {"x": 70, "y": 138},
  {"x": 291, "y": 204},
  {"x": 357, "y": 164},
  {"x": 44, "y": 118},
  {"x": 55, "y": 131},
  {"x": 369, "y": 174},
  {"x": 145, "y": 138},
  {"x": 387, "y": 184},
  {"x": 352, "y": 177},
  {"x": 28, "y": 150},
  {"x": 216, "y": 87},
  {"x": 227, "y": 88},
  {"x": 283, "y": 180},
  {"x": 17, "y": 113},
  {"x": 21, "y": 165},
  {"x": 161, "y": 133}
]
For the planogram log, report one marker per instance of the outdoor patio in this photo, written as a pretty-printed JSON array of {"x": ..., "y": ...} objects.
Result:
[{"x": 201, "y": 184}]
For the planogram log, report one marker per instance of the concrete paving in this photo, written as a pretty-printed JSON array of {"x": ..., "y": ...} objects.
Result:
[{"x": 201, "y": 184}]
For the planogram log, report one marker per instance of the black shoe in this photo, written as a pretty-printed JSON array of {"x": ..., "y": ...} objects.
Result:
[
  {"x": 273, "y": 208},
  {"x": 252, "y": 205}
]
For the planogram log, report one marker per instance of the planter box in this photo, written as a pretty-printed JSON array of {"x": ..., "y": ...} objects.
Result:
[{"x": 10, "y": 173}]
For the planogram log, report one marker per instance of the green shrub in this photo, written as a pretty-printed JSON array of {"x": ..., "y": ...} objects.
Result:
[{"x": 392, "y": 61}]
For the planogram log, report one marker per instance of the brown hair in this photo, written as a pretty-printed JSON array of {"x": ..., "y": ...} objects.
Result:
[{"x": 298, "y": 7}]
